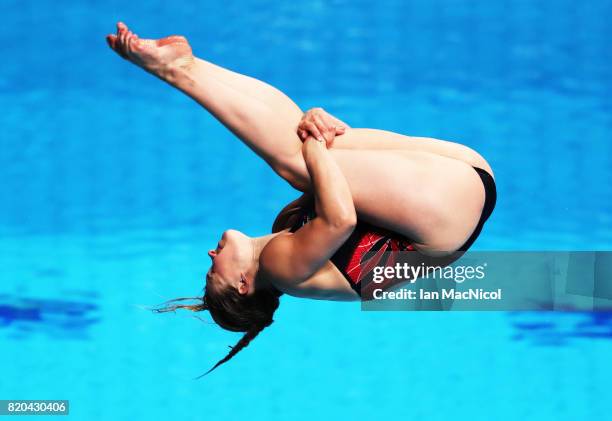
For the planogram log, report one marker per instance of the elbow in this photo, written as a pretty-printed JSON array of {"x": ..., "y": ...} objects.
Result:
[
  {"x": 351, "y": 220},
  {"x": 345, "y": 221}
]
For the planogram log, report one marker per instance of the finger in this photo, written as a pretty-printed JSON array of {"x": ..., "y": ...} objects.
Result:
[
  {"x": 323, "y": 129},
  {"x": 338, "y": 123},
  {"x": 330, "y": 124},
  {"x": 314, "y": 131},
  {"x": 340, "y": 130},
  {"x": 302, "y": 129},
  {"x": 319, "y": 122},
  {"x": 332, "y": 121},
  {"x": 305, "y": 118},
  {"x": 341, "y": 123}
]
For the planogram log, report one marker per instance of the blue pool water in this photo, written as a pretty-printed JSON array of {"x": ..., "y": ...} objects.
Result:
[{"x": 113, "y": 186}]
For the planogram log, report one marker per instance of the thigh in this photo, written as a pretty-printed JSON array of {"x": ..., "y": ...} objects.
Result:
[
  {"x": 382, "y": 139},
  {"x": 433, "y": 200}
]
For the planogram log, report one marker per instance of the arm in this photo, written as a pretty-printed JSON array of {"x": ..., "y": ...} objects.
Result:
[{"x": 293, "y": 258}]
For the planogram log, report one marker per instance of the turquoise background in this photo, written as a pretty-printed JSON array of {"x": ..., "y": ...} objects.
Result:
[{"x": 113, "y": 186}]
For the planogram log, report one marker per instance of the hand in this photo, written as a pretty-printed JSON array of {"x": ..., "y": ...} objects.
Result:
[{"x": 321, "y": 125}]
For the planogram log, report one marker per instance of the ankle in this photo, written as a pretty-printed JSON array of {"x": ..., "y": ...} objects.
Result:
[
  {"x": 179, "y": 72},
  {"x": 174, "y": 75}
]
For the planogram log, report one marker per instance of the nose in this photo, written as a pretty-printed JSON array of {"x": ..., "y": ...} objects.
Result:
[{"x": 212, "y": 254}]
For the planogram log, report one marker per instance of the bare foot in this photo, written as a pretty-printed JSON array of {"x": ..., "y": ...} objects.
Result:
[{"x": 160, "y": 57}]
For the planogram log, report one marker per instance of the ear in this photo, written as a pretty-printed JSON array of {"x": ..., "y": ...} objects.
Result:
[{"x": 243, "y": 287}]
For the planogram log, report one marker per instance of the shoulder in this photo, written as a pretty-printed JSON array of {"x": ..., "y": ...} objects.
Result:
[
  {"x": 286, "y": 259},
  {"x": 272, "y": 260}
]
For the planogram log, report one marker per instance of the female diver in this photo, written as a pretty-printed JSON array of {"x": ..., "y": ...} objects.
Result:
[{"x": 370, "y": 190}]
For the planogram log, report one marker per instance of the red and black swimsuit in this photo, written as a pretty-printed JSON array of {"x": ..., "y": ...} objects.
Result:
[{"x": 370, "y": 246}]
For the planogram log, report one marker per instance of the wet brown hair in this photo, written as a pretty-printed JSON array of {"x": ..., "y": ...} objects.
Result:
[{"x": 233, "y": 311}]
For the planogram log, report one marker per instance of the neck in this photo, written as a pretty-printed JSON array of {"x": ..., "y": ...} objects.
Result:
[{"x": 257, "y": 245}]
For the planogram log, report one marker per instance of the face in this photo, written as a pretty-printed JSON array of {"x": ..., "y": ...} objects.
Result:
[{"x": 230, "y": 261}]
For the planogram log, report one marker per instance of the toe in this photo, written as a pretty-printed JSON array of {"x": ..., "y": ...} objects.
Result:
[
  {"x": 129, "y": 46},
  {"x": 122, "y": 40},
  {"x": 119, "y": 29},
  {"x": 136, "y": 43},
  {"x": 121, "y": 44},
  {"x": 111, "y": 40}
]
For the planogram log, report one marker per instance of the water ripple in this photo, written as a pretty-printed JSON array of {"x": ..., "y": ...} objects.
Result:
[
  {"x": 56, "y": 318},
  {"x": 561, "y": 328}
]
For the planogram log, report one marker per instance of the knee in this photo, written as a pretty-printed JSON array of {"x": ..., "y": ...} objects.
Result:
[
  {"x": 297, "y": 181},
  {"x": 294, "y": 171}
]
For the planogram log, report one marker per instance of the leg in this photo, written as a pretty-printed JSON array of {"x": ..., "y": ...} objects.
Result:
[
  {"x": 267, "y": 131},
  {"x": 269, "y": 95},
  {"x": 374, "y": 139},
  {"x": 420, "y": 191},
  {"x": 433, "y": 200}
]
